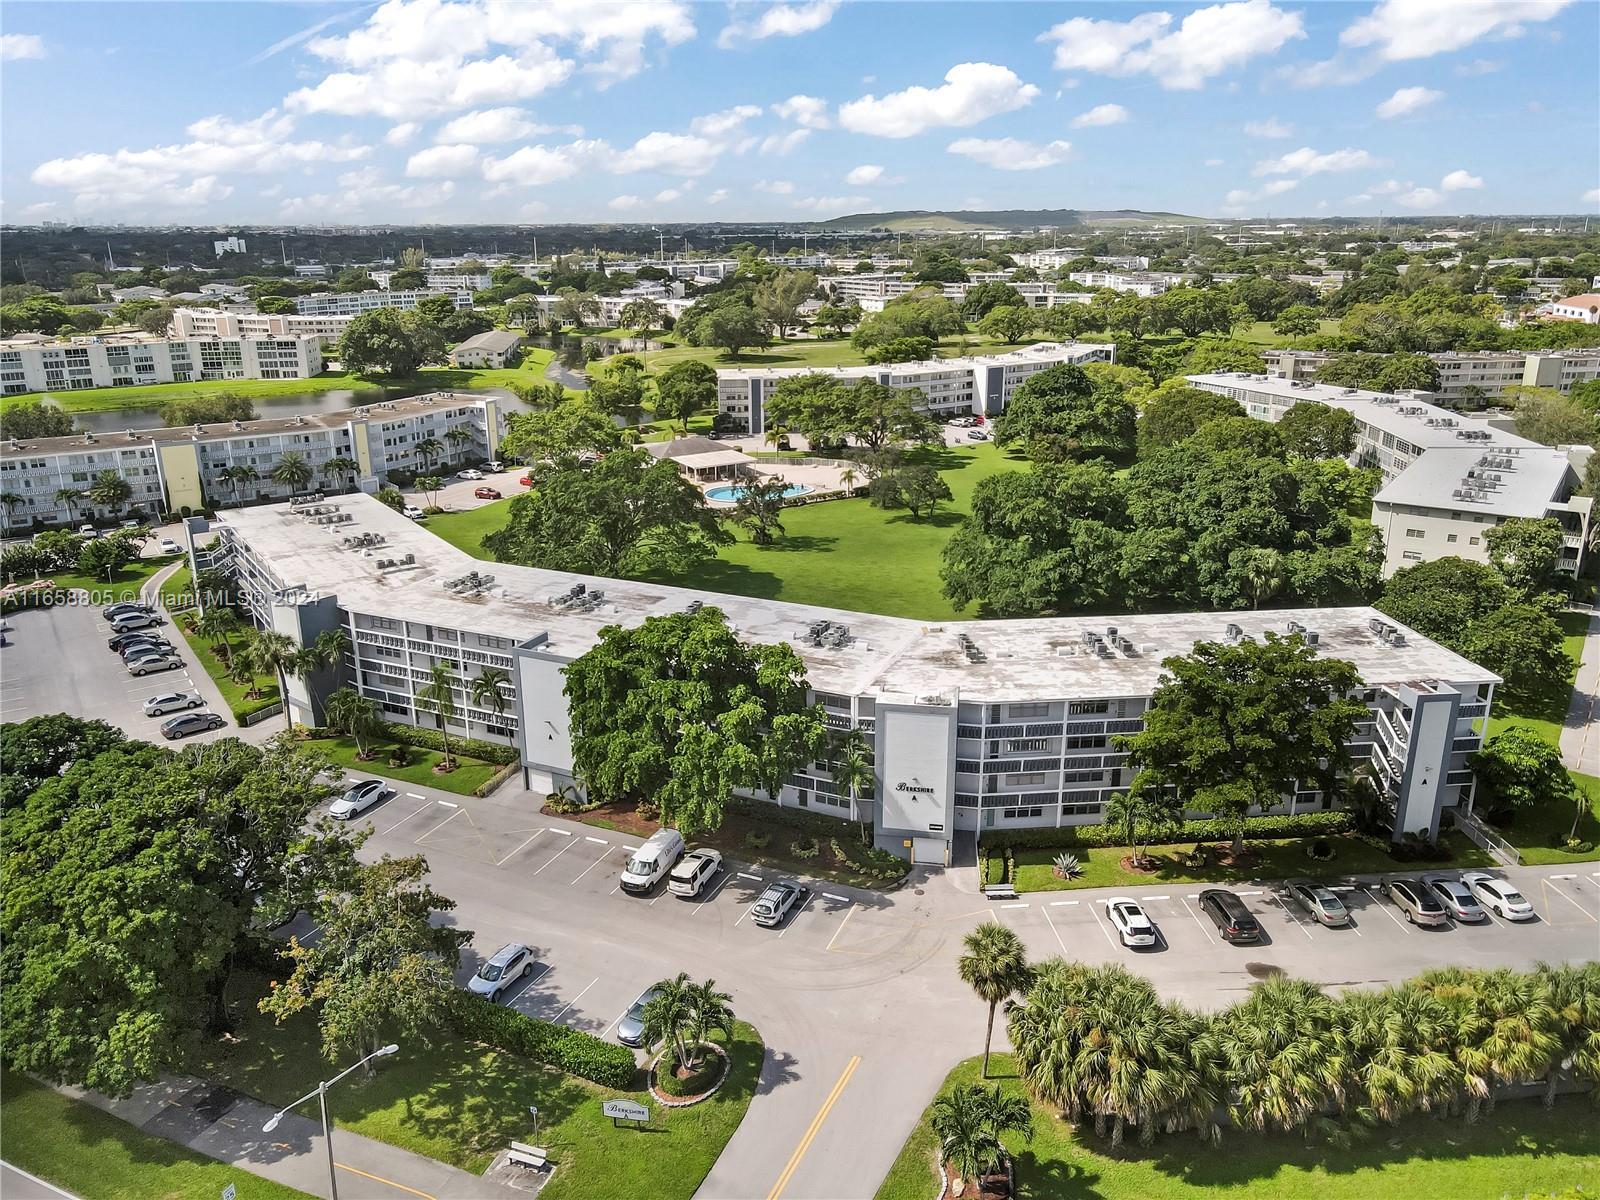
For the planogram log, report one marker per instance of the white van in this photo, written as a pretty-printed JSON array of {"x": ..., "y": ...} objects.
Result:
[{"x": 652, "y": 861}]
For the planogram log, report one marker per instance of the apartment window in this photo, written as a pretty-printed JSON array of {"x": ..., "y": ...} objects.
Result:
[
  {"x": 1472, "y": 541},
  {"x": 1012, "y": 814},
  {"x": 1416, "y": 533},
  {"x": 1086, "y": 743},
  {"x": 1078, "y": 707},
  {"x": 1028, "y": 710},
  {"x": 1028, "y": 779},
  {"x": 1449, "y": 537},
  {"x": 1411, "y": 556}
]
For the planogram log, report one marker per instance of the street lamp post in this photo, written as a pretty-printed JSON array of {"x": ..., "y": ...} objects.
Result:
[{"x": 321, "y": 1094}]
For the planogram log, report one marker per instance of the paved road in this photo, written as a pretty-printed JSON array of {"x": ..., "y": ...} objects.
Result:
[
  {"x": 17, "y": 1184},
  {"x": 856, "y": 995},
  {"x": 1580, "y": 733}
]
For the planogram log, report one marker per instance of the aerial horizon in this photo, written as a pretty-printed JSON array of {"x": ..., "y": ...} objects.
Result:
[{"x": 425, "y": 111}]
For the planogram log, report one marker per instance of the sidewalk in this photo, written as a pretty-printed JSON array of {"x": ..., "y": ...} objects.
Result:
[
  {"x": 1580, "y": 733},
  {"x": 226, "y": 1125}
]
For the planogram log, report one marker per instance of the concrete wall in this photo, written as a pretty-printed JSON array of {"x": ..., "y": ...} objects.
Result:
[{"x": 915, "y": 760}]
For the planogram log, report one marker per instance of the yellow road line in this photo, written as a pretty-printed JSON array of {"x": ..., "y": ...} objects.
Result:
[
  {"x": 816, "y": 1125},
  {"x": 381, "y": 1179}
]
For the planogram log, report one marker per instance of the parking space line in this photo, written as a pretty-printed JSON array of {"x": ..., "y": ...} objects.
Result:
[
  {"x": 747, "y": 910},
  {"x": 1300, "y": 925},
  {"x": 1198, "y": 921},
  {"x": 614, "y": 1022},
  {"x": 747, "y": 875},
  {"x": 565, "y": 847},
  {"x": 602, "y": 841},
  {"x": 1384, "y": 909},
  {"x": 1563, "y": 877},
  {"x": 422, "y": 807},
  {"x": 1168, "y": 897},
  {"x": 1061, "y": 903},
  {"x": 562, "y": 832},
  {"x": 720, "y": 884},
  {"x": 1054, "y": 930},
  {"x": 575, "y": 999},
  {"x": 630, "y": 849},
  {"x": 1249, "y": 893},
  {"x": 789, "y": 924},
  {"x": 586, "y": 870},
  {"x": 442, "y": 823},
  {"x": 840, "y": 899},
  {"x": 1023, "y": 904},
  {"x": 1103, "y": 928},
  {"x": 448, "y": 803},
  {"x": 416, "y": 795},
  {"x": 1545, "y": 887},
  {"x": 848, "y": 914},
  {"x": 515, "y": 852}
]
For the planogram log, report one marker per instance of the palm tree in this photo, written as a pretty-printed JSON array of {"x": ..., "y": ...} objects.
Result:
[
  {"x": 438, "y": 696},
  {"x": 1283, "y": 1053},
  {"x": 1265, "y": 573},
  {"x": 457, "y": 437},
  {"x": 713, "y": 1010},
  {"x": 429, "y": 485},
  {"x": 1504, "y": 1028},
  {"x": 427, "y": 450},
  {"x": 339, "y": 467},
  {"x": 237, "y": 477},
  {"x": 274, "y": 653},
  {"x": 1574, "y": 992},
  {"x": 669, "y": 1016},
  {"x": 847, "y": 479},
  {"x": 110, "y": 490},
  {"x": 488, "y": 689},
  {"x": 292, "y": 471},
  {"x": 218, "y": 622},
  {"x": 995, "y": 966},
  {"x": 350, "y": 712},
  {"x": 10, "y": 501},
  {"x": 70, "y": 497},
  {"x": 853, "y": 771},
  {"x": 241, "y": 668},
  {"x": 1400, "y": 1051},
  {"x": 775, "y": 434},
  {"x": 969, "y": 1121}
]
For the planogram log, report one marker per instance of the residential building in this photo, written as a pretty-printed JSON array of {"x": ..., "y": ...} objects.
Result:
[
  {"x": 219, "y": 322},
  {"x": 1585, "y": 308},
  {"x": 355, "y": 303},
  {"x": 311, "y": 270},
  {"x": 1139, "y": 283},
  {"x": 981, "y": 384},
  {"x": 496, "y": 348},
  {"x": 189, "y": 468},
  {"x": 141, "y": 292},
  {"x": 611, "y": 306},
  {"x": 228, "y": 245},
  {"x": 122, "y": 360},
  {"x": 972, "y": 725},
  {"x": 443, "y": 281},
  {"x": 1465, "y": 375}
]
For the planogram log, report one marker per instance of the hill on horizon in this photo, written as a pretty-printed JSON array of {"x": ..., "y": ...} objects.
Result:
[{"x": 1005, "y": 218}]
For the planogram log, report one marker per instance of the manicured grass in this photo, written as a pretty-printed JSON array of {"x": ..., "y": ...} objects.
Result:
[
  {"x": 1280, "y": 858},
  {"x": 469, "y": 775},
  {"x": 1261, "y": 333},
  {"x": 1538, "y": 836},
  {"x": 837, "y": 553},
  {"x": 101, "y": 1157},
  {"x": 1546, "y": 712},
  {"x": 125, "y": 584},
  {"x": 461, "y": 1103},
  {"x": 232, "y": 693},
  {"x": 1520, "y": 1149}
]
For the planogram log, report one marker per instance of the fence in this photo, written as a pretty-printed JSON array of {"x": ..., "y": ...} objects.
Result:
[
  {"x": 260, "y": 715},
  {"x": 1504, "y": 852}
]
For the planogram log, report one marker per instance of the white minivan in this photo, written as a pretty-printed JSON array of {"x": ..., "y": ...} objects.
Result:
[{"x": 652, "y": 861}]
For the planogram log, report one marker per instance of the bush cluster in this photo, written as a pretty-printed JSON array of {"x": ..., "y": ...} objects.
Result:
[
  {"x": 1317, "y": 824},
  {"x": 804, "y": 847},
  {"x": 691, "y": 1085},
  {"x": 570, "y": 1050}
]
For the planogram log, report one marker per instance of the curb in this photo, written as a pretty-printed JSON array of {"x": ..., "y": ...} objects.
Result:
[{"x": 689, "y": 1101}]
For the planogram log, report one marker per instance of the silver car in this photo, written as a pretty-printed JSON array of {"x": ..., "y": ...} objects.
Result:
[
  {"x": 509, "y": 964},
  {"x": 630, "y": 1030},
  {"x": 1499, "y": 896},
  {"x": 170, "y": 702},
  {"x": 182, "y": 725},
  {"x": 775, "y": 903},
  {"x": 1320, "y": 902},
  {"x": 1456, "y": 897},
  {"x": 144, "y": 664}
]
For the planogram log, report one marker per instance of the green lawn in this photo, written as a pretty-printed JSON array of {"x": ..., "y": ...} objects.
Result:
[
  {"x": 808, "y": 352},
  {"x": 125, "y": 584},
  {"x": 469, "y": 775},
  {"x": 1261, "y": 333},
  {"x": 1276, "y": 859},
  {"x": 1520, "y": 1149},
  {"x": 233, "y": 693},
  {"x": 101, "y": 1157},
  {"x": 461, "y": 1103},
  {"x": 1538, "y": 836},
  {"x": 837, "y": 553},
  {"x": 1546, "y": 712}
]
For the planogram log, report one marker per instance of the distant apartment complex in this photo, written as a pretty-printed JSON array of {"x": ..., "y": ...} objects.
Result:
[
  {"x": 220, "y": 322},
  {"x": 32, "y": 364},
  {"x": 354, "y": 303},
  {"x": 981, "y": 384},
  {"x": 875, "y": 291},
  {"x": 206, "y": 466},
  {"x": 1446, "y": 477},
  {"x": 442, "y": 281},
  {"x": 1465, "y": 374}
]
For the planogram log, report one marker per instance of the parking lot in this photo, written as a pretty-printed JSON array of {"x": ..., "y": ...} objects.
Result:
[{"x": 57, "y": 661}]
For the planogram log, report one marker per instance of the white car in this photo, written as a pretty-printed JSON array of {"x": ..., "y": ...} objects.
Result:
[
  {"x": 694, "y": 871},
  {"x": 168, "y": 546},
  {"x": 509, "y": 964},
  {"x": 129, "y": 621},
  {"x": 144, "y": 664},
  {"x": 1130, "y": 921},
  {"x": 775, "y": 903},
  {"x": 470, "y": 473},
  {"x": 359, "y": 797},
  {"x": 1456, "y": 897},
  {"x": 412, "y": 511},
  {"x": 169, "y": 702},
  {"x": 1499, "y": 897}
]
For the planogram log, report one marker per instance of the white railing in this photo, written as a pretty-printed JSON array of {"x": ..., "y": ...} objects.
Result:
[{"x": 1487, "y": 839}]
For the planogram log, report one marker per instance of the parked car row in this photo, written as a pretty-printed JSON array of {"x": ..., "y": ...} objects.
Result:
[{"x": 143, "y": 651}]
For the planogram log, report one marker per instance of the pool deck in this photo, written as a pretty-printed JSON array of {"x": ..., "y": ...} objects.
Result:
[{"x": 815, "y": 479}]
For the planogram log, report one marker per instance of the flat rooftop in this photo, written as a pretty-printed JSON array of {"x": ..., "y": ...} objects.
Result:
[
  {"x": 1502, "y": 483},
  {"x": 1029, "y": 659},
  {"x": 217, "y": 431}
]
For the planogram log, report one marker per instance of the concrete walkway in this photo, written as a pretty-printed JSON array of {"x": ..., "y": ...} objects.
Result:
[
  {"x": 1580, "y": 733},
  {"x": 227, "y": 1125}
]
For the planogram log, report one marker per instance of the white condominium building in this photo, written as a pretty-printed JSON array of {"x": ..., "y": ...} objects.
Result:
[
  {"x": 195, "y": 467},
  {"x": 1464, "y": 374},
  {"x": 219, "y": 322},
  {"x": 1457, "y": 475},
  {"x": 442, "y": 281},
  {"x": 1139, "y": 283},
  {"x": 354, "y": 303},
  {"x": 981, "y": 384},
  {"x": 875, "y": 292},
  {"x": 973, "y": 725},
  {"x": 611, "y": 306},
  {"x": 125, "y": 360}
]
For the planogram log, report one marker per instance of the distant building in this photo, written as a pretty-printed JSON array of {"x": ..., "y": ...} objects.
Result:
[
  {"x": 217, "y": 322},
  {"x": 497, "y": 348},
  {"x": 311, "y": 270},
  {"x": 123, "y": 360},
  {"x": 1585, "y": 308},
  {"x": 354, "y": 303},
  {"x": 141, "y": 292},
  {"x": 1463, "y": 374},
  {"x": 228, "y": 245}
]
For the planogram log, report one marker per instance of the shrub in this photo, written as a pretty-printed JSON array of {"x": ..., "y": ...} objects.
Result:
[
  {"x": 570, "y": 1050},
  {"x": 1067, "y": 866},
  {"x": 1577, "y": 846},
  {"x": 757, "y": 839},
  {"x": 1317, "y": 824},
  {"x": 650, "y": 810},
  {"x": 564, "y": 803},
  {"x": 495, "y": 780},
  {"x": 1321, "y": 850},
  {"x": 429, "y": 739},
  {"x": 804, "y": 846},
  {"x": 399, "y": 755},
  {"x": 693, "y": 1084}
]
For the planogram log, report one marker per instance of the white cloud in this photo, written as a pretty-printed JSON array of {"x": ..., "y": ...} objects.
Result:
[
  {"x": 1458, "y": 181},
  {"x": 971, "y": 92},
  {"x": 1592, "y": 196},
  {"x": 366, "y": 193},
  {"x": 831, "y": 204},
  {"x": 718, "y": 196},
  {"x": 729, "y": 120},
  {"x": 1010, "y": 154},
  {"x": 1208, "y": 42},
  {"x": 1422, "y": 197},
  {"x": 1213, "y": 162},
  {"x": 1479, "y": 66},
  {"x": 779, "y": 144},
  {"x": 677, "y": 153},
  {"x": 623, "y": 203},
  {"x": 778, "y": 187},
  {"x": 1407, "y": 29},
  {"x": 870, "y": 175},
  {"x": 1306, "y": 161},
  {"x": 486, "y": 126},
  {"x": 804, "y": 110},
  {"x": 402, "y": 89},
  {"x": 541, "y": 164},
  {"x": 781, "y": 20},
  {"x": 21, "y": 45},
  {"x": 1270, "y": 128},
  {"x": 402, "y": 133},
  {"x": 533, "y": 210},
  {"x": 668, "y": 195},
  {"x": 1240, "y": 197},
  {"x": 441, "y": 162},
  {"x": 1100, "y": 114},
  {"x": 1407, "y": 100}
]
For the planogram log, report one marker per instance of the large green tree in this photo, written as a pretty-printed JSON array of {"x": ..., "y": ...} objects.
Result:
[
  {"x": 29, "y": 417},
  {"x": 1061, "y": 413},
  {"x": 994, "y": 964},
  {"x": 1519, "y": 771},
  {"x": 1442, "y": 599},
  {"x": 390, "y": 342},
  {"x": 1175, "y": 411},
  {"x": 778, "y": 298},
  {"x": 567, "y": 429},
  {"x": 1524, "y": 645},
  {"x": 685, "y": 389},
  {"x": 1314, "y": 430},
  {"x": 680, "y": 712},
  {"x": 1525, "y": 550}
]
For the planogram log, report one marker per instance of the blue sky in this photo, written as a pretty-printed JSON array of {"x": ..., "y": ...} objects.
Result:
[{"x": 484, "y": 110}]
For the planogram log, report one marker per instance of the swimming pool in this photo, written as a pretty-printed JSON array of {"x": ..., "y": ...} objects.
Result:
[{"x": 728, "y": 493}]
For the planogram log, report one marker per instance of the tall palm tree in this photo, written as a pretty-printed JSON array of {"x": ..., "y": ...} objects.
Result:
[
  {"x": 669, "y": 1016},
  {"x": 427, "y": 450},
  {"x": 350, "y": 712},
  {"x": 241, "y": 669},
  {"x": 110, "y": 490},
  {"x": 438, "y": 696},
  {"x": 71, "y": 498},
  {"x": 1574, "y": 992},
  {"x": 292, "y": 471},
  {"x": 1282, "y": 1051},
  {"x": 456, "y": 437},
  {"x": 274, "y": 653},
  {"x": 488, "y": 689},
  {"x": 968, "y": 1122},
  {"x": 218, "y": 622},
  {"x": 713, "y": 1010},
  {"x": 1265, "y": 573},
  {"x": 237, "y": 476},
  {"x": 847, "y": 478},
  {"x": 775, "y": 434},
  {"x": 853, "y": 771},
  {"x": 995, "y": 965},
  {"x": 325, "y": 653},
  {"x": 10, "y": 501},
  {"x": 339, "y": 468}
]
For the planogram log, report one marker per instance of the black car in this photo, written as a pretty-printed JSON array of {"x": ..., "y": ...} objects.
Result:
[
  {"x": 145, "y": 646},
  {"x": 120, "y": 641},
  {"x": 1233, "y": 919}
]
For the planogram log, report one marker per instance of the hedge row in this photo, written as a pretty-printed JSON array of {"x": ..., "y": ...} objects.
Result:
[
  {"x": 430, "y": 739},
  {"x": 1314, "y": 824},
  {"x": 570, "y": 1050}
]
